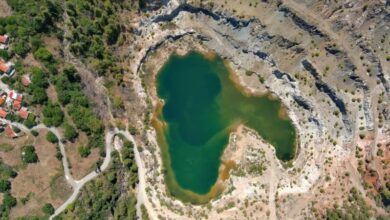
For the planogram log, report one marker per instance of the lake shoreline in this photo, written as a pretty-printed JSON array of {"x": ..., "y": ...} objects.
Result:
[{"x": 223, "y": 173}]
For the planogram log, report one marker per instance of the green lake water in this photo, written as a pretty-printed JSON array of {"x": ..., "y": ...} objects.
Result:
[{"x": 201, "y": 105}]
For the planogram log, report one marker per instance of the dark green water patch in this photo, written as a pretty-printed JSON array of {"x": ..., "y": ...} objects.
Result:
[{"x": 202, "y": 105}]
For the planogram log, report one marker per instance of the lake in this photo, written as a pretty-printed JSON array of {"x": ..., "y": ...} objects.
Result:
[{"x": 202, "y": 105}]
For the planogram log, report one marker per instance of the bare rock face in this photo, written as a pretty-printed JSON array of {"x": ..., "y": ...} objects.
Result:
[{"x": 327, "y": 61}]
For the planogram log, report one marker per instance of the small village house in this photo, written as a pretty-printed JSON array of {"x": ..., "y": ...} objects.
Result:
[
  {"x": 15, "y": 100},
  {"x": 3, "y": 113},
  {"x": 23, "y": 113},
  {"x": 17, "y": 105},
  {"x": 9, "y": 132},
  {"x": 3, "y": 98},
  {"x": 7, "y": 68},
  {"x": 4, "y": 40},
  {"x": 15, "y": 96}
]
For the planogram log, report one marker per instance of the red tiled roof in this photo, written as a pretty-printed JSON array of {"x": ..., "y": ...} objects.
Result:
[
  {"x": 4, "y": 39},
  {"x": 3, "y": 113},
  {"x": 12, "y": 94},
  {"x": 15, "y": 96},
  {"x": 17, "y": 105},
  {"x": 4, "y": 67},
  {"x": 19, "y": 98},
  {"x": 23, "y": 113},
  {"x": 9, "y": 131}
]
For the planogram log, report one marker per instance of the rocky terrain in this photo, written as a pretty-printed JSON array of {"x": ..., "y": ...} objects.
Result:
[{"x": 327, "y": 61}]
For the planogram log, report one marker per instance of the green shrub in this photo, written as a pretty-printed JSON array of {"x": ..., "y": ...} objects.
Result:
[
  {"x": 34, "y": 133},
  {"x": 48, "y": 209},
  {"x": 84, "y": 151},
  {"x": 51, "y": 137},
  {"x": 5, "y": 185},
  {"x": 8, "y": 200},
  {"x": 29, "y": 155},
  {"x": 70, "y": 132}
]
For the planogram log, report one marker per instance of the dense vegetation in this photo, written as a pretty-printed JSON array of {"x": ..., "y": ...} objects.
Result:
[
  {"x": 39, "y": 84},
  {"x": 128, "y": 161},
  {"x": 78, "y": 105},
  {"x": 354, "y": 208},
  {"x": 53, "y": 115},
  {"x": 6, "y": 173},
  {"x": 105, "y": 196},
  {"x": 94, "y": 30},
  {"x": 79, "y": 108},
  {"x": 30, "y": 19},
  {"x": 70, "y": 133}
]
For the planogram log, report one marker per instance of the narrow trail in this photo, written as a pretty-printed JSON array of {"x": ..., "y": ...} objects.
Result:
[
  {"x": 92, "y": 175},
  {"x": 141, "y": 195},
  {"x": 76, "y": 184}
]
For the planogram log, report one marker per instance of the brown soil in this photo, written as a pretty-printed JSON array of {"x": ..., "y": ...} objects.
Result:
[
  {"x": 52, "y": 93},
  {"x": 13, "y": 157},
  {"x": 5, "y": 10},
  {"x": 35, "y": 182},
  {"x": 81, "y": 166},
  {"x": 29, "y": 60}
]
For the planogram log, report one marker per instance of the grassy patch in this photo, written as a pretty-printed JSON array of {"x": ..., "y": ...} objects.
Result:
[
  {"x": 6, "y": 147},
  {"x": 58, "y": 186}
]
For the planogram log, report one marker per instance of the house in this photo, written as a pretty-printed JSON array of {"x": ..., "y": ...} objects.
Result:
[
  {"x": 15, "y": 96},
  {"x": 15, "y": 99},
  {"x": 23, "y": 113},
  {"x": 7, "y": 68},
  {"x": 3, "y": 98},
  {"x": 9, "y": 132},
  {"x": 25, "y": 80},
  {"x": 3, "y": 113},
  {"x": 4, "y": 40},
  {"x": 17, "y": 105}
]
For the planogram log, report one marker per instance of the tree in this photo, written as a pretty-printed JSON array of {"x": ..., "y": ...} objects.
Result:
[
  {"x": 20, "y": 47},
  {"x": 30, "y": 121},
  {"x": 7, "y": 171},
  {"x": 385, "y": 194},
  {"x": 39, "y": 78},
  {"x": 29, "y": 155},
  {"x": 8, "y": 200},
  {"x": 35, "y": 42},
  {"x": 34, "y": 133},
  {"x": 70, "y": 132},
  {"x": 51, "y": 137},
  {"x": 111, "y": 33},
  {"x": 84, "y": 151},
  {"x": 42, "y": 54},
  {"x": 5, "y": 185},
  {"x": 48, "y": 209},
  {"x": 39, "y": 96},
  {"x": 53, "y": 114},
  {"x": 4, "y": 55}
]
